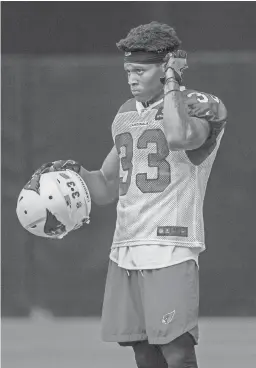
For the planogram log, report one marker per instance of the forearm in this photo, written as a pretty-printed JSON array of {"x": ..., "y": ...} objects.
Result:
[
  {"x": 102, "y": 192},
  {"x": 175, "y": 117}
]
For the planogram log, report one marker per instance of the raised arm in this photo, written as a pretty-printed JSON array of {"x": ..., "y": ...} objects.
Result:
[
  {"x": 183, "y": 132},
  {"x": 193, "y": 121},
  {"x": 103, "y": 184}
]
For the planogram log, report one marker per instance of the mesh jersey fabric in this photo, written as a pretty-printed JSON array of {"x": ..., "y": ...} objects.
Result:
[{"x": 162, "y": 191}]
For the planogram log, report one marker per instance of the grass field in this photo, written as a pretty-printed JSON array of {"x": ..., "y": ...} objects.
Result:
[{"x": 75, "y": 343}]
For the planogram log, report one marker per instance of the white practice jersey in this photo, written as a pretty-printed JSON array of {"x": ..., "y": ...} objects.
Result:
[{"x": 161, "y": 192}]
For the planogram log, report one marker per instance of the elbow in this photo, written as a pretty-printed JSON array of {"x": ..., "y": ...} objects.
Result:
[
  {"x": 103, "y": 201},
  {"x": 185, "y": 145},
  {"x": 109, "y": 196},
  {"x": 176, "y": 147},
  {"x": 177, "y": 144},
  {"x": 177, "y": 141}
]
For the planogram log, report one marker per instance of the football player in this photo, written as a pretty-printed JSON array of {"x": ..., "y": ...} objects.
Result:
[{"x": 165, "y": 140}]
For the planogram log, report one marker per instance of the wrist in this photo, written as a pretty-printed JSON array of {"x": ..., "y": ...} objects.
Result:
[
  {"x": 171, "y": 85},
  {"x": 172, "y": 73},
  {"x": 169, "y": 73}
]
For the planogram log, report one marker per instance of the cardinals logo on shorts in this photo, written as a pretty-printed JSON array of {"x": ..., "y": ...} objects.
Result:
[{"x": 167, "y": 318}]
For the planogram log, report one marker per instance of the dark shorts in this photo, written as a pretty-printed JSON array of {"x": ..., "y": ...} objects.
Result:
[{"x": 155, "y": 305}]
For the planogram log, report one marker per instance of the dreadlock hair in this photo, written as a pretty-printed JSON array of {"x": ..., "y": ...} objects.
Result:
[{"x": 151, "y": 37}]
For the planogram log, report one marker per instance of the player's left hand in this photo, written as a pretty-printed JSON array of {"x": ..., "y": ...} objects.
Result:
[
  {"x": 58, "y": 166},
  {"x": 174, "y": 65},
  {"x": 45, "y": 168},
  {"x": 66, "y": 165}
]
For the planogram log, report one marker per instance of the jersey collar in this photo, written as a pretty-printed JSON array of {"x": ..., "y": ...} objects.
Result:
[{"x": 140, "y": 108}]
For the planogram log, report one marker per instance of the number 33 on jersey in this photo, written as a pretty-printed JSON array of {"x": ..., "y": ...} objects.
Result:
[{"x": 161, "y": 192}]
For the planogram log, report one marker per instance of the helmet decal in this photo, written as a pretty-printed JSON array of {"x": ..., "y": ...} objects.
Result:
[
  {"x": 52, "y": 225},
  {"x": 34, "y": 184},
  {"x": 68, "y": 200},
  {"x": 64, "y": 175}
]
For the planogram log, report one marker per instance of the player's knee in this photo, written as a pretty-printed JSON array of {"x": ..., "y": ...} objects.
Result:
[
  {"x": 180, "y": 353},
  {"x": 143, "y": 355},
  {"x": 176, "y": 359},
  {"x": 148, "y": 356},
  {"x": 183, "y": 359},
  {"x": 191, "y": 361}
]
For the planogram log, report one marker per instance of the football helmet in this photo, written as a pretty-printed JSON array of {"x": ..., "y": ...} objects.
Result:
[{"x": 54, "y": 203}]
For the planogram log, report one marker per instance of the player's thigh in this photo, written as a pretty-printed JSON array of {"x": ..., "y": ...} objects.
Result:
[
  {"x": 171, "y": 301},
  {"x": 122, "y": 312},
  {"x": 148, "y": 356},
  {"x": 180, "y": 352}
]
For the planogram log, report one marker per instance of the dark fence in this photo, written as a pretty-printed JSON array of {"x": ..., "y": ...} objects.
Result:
[{"x": 62, "y": 107}]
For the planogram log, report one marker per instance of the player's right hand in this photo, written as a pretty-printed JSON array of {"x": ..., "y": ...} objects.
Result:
[
  {"x": 58, "y": 166},
  {"x": 174, "y": 64}
]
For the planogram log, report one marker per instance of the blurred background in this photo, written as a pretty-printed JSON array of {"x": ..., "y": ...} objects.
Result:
[{"x": 62, "y": 84}]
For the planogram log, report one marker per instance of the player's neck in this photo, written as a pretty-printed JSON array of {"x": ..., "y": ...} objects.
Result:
[{"x": 154, "y": 99}]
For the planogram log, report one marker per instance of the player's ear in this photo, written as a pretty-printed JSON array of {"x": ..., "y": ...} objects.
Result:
[{"x": 162, "y": 66}]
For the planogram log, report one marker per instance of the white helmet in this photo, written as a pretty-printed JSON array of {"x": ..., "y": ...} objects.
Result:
[{"x": 54, "y": 203}]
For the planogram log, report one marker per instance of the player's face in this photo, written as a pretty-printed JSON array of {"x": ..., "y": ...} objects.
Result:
[{"x": 144, "y": 80}]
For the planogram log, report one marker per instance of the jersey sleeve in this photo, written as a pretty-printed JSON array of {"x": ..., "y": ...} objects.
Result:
[
  {"x": 208, "y": 107},
  {"x": 128, "y": 106},
  {"x": 212, "y": 109}
]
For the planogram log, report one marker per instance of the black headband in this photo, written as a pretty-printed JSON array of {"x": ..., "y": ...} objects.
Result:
[{"x": 144, "y": 57}]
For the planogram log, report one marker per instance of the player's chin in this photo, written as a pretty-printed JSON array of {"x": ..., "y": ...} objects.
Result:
[{"x": 139, "y": 96}]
